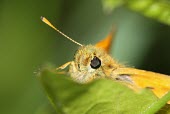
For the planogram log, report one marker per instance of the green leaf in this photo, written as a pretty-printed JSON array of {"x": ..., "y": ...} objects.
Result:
[
  {"x": 101, "y": 96},
  {"x": 155, "y": 9}
]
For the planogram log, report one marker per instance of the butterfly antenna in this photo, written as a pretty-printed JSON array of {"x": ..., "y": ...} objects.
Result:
[{"x": 48, "y": 23}]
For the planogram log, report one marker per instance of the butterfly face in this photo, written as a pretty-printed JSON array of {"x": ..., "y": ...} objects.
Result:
[{"x": 90, "y": 63}]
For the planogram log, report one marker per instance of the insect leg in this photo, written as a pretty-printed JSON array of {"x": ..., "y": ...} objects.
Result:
[{"x": 64, "y": 66}]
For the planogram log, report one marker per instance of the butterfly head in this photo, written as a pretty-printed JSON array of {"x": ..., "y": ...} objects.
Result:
[{"x": 90, "y": 63}]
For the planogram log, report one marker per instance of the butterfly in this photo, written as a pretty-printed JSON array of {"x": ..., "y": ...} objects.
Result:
[{"x": 93, "y": 62}]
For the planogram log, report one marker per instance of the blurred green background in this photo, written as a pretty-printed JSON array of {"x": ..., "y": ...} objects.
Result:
[{"x": 26, "y": 43}]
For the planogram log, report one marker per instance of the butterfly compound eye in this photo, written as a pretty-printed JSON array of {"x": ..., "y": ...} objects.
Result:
[{"x": 95, "y": 63}]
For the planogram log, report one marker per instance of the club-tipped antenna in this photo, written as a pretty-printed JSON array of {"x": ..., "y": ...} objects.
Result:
[{"x": 48, "y": 23}]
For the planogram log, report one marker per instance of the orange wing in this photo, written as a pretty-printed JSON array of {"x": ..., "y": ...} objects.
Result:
[
  {"x": 158, "y": 83},
  {"x": 106, "y": 43}
]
